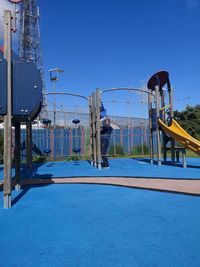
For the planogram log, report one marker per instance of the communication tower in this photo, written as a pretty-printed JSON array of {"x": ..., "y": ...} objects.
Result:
[{"x": 29, "y": 37}]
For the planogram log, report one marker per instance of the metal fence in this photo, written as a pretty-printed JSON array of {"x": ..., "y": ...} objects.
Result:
[{"x": 62, "y": 140}]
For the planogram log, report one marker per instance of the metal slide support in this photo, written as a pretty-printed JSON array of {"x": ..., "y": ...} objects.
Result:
[
  {"x": 150, "y": 129},
  {"x": 29, "y": 144},
  {"x": 171, "y": 115},
  {"x": 17, "y": 155},
  {"x": 157, "y": 130},
  {"x": 98, "y": 127},
  {"x": 94, "y": 130},
  {"x": 184, "y": 158},
  {"x": 164, "y": 119},
  {"x": 171, "y": 100},
  {"x": 172, "y": 149},
  {"x": 8, "y": 116}
]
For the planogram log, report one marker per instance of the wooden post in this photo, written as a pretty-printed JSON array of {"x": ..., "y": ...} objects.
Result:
[
  {"x": 8, "y": 116},
  {"x": 17, "y": 155}
]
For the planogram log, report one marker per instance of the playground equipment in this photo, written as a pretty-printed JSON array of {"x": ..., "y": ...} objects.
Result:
[
  {"x": 95, "y": 120},
  {"x": 162, "y": 122},
  {"x": 74, "y": 139},
  {"x": 22, "y": 102},
  {"x": 181, "y": 136},
  {"x": 76, "y": 149},
  {"x": 25, "y": 76},
  {"x": 46, "y": 122}
]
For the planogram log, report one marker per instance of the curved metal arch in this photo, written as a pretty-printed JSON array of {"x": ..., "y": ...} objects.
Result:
[
  {"x": 126, "y": 89},
  {"x": 70, "y": 94}
]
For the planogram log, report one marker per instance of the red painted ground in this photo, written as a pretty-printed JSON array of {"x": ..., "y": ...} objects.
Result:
[{"x": 179, "y": 186}]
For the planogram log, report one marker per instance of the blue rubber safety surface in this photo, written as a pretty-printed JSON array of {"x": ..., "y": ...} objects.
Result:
[
  {"x": 118, "y": 167},
  {"x": 99, "y": 226}
]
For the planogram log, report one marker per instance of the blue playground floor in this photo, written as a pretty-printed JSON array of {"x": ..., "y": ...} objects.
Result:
[
  {"x": 80, "y": 225},
  {"x": 100, "y": 226},
  {"x": 118, "y": 167}
]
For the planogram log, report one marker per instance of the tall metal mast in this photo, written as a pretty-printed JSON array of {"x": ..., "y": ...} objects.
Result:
[
  {"x": 30, "y": 50},
  {"x": 29, "y": 38}
]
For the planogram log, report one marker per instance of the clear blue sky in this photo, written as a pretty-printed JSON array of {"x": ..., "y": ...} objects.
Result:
[{"x": 114, "y": 43}]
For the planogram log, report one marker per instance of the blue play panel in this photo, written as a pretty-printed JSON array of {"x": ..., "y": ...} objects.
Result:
[
  {"x": 99, "y": 226},
  {"x": 118, "y": 167}
]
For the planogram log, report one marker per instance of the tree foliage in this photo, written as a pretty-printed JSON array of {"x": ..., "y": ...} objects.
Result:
[{"x": 189, "y": 119}]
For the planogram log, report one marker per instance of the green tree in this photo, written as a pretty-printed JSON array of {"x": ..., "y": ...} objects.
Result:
[{"x": 189, "y": 119}]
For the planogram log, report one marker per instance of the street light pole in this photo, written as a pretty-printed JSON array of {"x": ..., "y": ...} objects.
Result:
[{"x": 54, "y": 79}]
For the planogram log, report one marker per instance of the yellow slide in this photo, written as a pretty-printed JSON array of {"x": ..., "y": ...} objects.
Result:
[{"x": 181, "y": 136}]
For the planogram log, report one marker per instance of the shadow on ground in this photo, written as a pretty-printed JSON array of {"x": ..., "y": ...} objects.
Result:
[{"x": 168, "y": 163}]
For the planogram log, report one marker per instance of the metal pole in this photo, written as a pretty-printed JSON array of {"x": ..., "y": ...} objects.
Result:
[
  {"x": 17, "y": 155},
  {"x": 128, "y": 139},
  {"x": 91, "y": 132},
  {"x": 171, "y": 115},
  {"x": 8, "y": 117},
  {"x": 142, "y": 140},
  {"x": 98, "y": 127},
  {"x": 54, "y": 104},
  {"x": 65, "y": 114},
  {"x": 164, "y": 120},
  {"x": 184, "y": 158},
  {"x": 170, "y": 100},
  {"x": 157, "y": 130},
  {"x": 150, "y": 129},
  {"x": 29, "y": 144},
  {"x": 94, "y": 131}
]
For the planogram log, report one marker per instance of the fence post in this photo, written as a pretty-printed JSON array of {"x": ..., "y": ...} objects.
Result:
[{"x": 52, "y": 142}]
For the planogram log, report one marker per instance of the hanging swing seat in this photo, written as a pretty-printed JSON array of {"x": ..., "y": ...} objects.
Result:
[
  {"x": 47, "y": 152},
  {"x": 76, "y": 150},
  {"x": 76, "y": 121}
]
